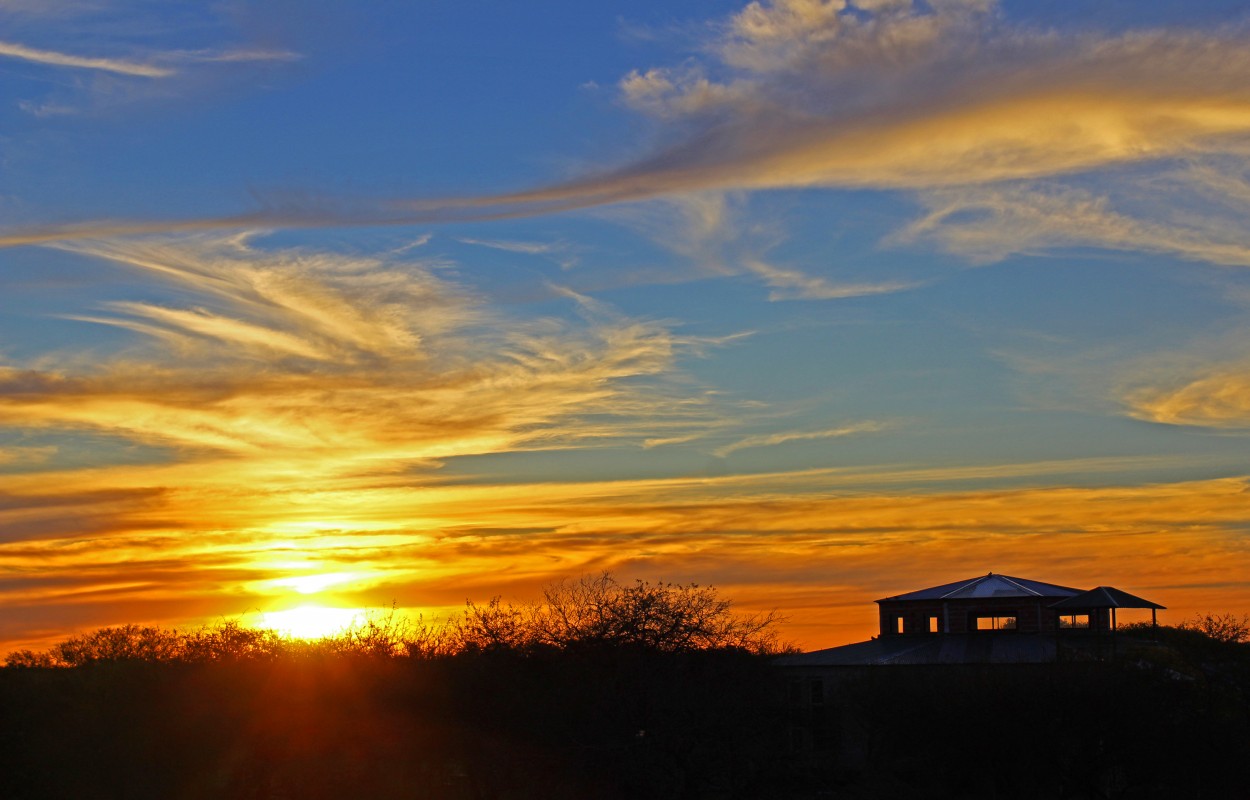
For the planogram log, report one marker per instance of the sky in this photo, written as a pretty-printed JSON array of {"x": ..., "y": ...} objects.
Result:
[{"x": 331, "y": 305}]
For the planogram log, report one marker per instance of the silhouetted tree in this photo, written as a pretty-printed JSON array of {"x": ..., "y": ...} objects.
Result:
[
  {"x": 659, "y": 616},
  {"x": 1221, "y": 627}
]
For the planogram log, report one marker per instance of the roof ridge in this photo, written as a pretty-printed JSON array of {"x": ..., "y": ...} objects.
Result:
[
  {"x": 1016, "y": 582},
  {"x": 965, "y": 585}
]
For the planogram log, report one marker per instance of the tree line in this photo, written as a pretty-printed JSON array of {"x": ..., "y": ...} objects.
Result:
[
  {"x": 610, "y": 690},
  {"x": 601, "y": 689},
  {"x": 592, "y": 611}
]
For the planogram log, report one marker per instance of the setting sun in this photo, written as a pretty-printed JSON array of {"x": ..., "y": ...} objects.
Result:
[
  {"x": 719, "y": 325},
  {"x": 312, "y": 584},
  {"x": 309, "y": 621}
]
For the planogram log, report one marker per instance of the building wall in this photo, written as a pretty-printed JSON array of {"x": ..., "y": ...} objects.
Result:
[{"x": 1031, "y": 615}]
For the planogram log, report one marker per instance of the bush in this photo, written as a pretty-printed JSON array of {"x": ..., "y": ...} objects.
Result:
[
  {"x": 1221, "y": 627},
  {"x": 591, "y": 611}
]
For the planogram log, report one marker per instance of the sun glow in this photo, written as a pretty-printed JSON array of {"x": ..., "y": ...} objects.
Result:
[
  {"x": 309, "y": 621},
  {"x": 311, "y": 584}
]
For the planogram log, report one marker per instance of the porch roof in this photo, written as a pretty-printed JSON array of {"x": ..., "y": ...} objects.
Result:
[{"x": 1104, "y": 597}]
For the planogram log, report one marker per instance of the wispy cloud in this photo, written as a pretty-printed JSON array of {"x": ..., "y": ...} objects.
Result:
[
  {"x": 286, "y": 350},
  {"x": 900, "y": 97},
  {"x": 1191, "y": 213},
  {"x": 790, "y": 284},
  {"x": 126, "y": 54},
  {"x": 240, "y": 56},
  {"x": 53, "y": 58},
  {"x": 158, "y": 65},
  {"x": 528, "y": 248},
  {"x": 1211, "y": 395},
  {"x": 25, "y": 455},
  {"x": 663, "y": 441},
  {"x": 559, "y": 252},
  {"x": 771, "y": 439},
  {"x": 307, "y": 383}
]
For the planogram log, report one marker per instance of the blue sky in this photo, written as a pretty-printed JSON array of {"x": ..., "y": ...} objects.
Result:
[{"x": 815, "y": 301}]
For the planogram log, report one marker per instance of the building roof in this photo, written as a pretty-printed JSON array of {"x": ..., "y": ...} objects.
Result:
[
  {"x": 1105, "y": 597},
  {"x": 990, "y": 585},
  {"x": 973, "y": 648}
]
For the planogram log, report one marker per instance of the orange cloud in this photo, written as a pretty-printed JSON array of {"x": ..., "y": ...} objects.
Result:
[
  {"x": 818, "y": 545},
  {"x": 302, "y": 400},
  {"x": 299, "y": 394}
]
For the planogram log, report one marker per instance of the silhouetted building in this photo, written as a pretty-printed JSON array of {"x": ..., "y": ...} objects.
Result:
[
  {"x": 988, "y": 603},
  {"x": 988, "y": 619}
]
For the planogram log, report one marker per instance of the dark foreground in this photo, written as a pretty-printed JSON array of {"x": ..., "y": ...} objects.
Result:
[{"x": 626, "y": 723}]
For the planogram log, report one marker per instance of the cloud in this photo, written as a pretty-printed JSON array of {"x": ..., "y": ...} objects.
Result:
[
  {"x": 821, "y": 544},
  {"x": 156, "y": 66},
  {"x": 299, "y": 402},
  {"x": 1214, "y": 396},
  {"x": 771, "y": 439},
  {"x": 792, "y": 35},
  {"x": 559, "y": 252},
  {"x": 821, "y": 94},
  {"x": 1194, "y": 213},
  {"x": 312, "y": 355},
  {"x": 722, "y": 235},
  {"x": 126, "y": 54},
  {"x": 53, "y": 58},
  {"x": 528, "y": 248},
  {"x": 790, "y": 284},
  {"x": 891, "y": 95},
  {"x": 25, "y": 455},
  {"x": 669, "y": 440},
  {"x": 241, "y": 56},
  {"x": 677, "y": 93}
]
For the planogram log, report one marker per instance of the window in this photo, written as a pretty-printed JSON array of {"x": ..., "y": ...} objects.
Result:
[
  {"x": 996, "y": 622},
  {"x": 934, "y": 625},
  {"x": 1074, "y": 621},
  {"x": 898, "y": 624}
]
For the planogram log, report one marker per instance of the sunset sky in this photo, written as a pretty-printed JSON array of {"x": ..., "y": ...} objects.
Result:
[{"x": 344, "y": 304}]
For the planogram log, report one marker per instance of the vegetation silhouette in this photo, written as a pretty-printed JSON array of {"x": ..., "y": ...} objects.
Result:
[
  {"x": 609, "y": 690},
  {"x": 602, "y": 689},
  {"x": 593, "y": 611}
]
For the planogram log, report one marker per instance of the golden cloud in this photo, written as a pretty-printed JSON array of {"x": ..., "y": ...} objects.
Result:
[
  {"x": 1217, "y": 398},
  {"x": 799, "y": 93},
  {"x": 819, "y": 544},
  {"x": 317, "y": 356}
]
